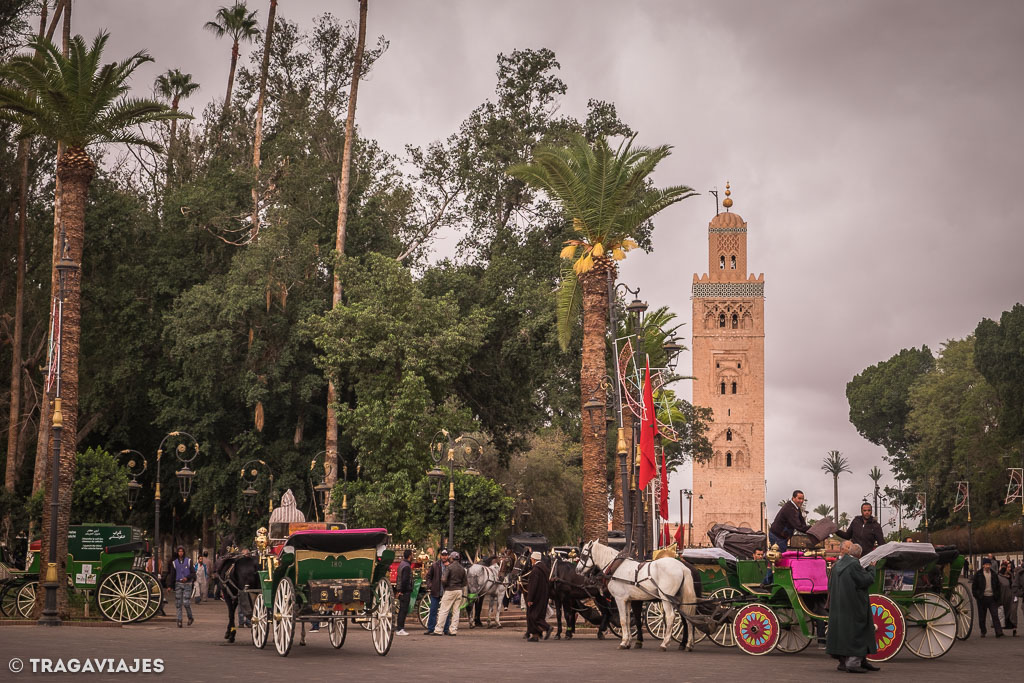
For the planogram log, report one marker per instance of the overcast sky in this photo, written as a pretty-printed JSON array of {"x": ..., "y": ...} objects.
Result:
[{"x": 874, "y": 148}]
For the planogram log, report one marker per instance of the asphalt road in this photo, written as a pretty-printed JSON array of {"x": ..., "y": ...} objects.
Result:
[{"x": 199, "y": 653}]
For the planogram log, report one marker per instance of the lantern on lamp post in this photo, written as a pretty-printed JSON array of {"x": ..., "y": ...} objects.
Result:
[
  {"x": 462, "y": 453},
  {"x": 136, "y": 465},
  {"x": 321, "y": 491},
  {"x": 185, "y": 449},
  {"x": 249, "y": 474}
]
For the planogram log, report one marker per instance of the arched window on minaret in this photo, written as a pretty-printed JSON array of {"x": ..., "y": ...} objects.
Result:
[
  {"x": 733, "y": 388},
  {"x": 728, "y": 459},
  {"x": 728, "y": 435},
  {"x": 723, "y": 387},
  {"x": 721, "y": 262},
  {"x": 721, "y": 319},
  {"x": 732, "y": 263},
  {"x": 735, "y": 321}
]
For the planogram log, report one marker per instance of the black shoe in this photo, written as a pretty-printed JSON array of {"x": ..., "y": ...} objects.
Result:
[
  {"x": 982, "y": 635},
  {"x": 190, "y": 620},
  {"x": 865, "y": 664},
  {"x": 856, "y": 670},
  {"x": 533, "y": 639},
  {"x": 999, "y": 635},
  {"x": 179, "y": 624},
  {"x": 452, "y": 634},
  {"x": 841, "y": 667}
]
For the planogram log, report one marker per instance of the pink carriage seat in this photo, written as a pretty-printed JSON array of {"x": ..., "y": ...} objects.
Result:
[{"x": 809, "y": 573}]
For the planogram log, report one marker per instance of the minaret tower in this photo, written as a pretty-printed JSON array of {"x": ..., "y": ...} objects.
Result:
[{"x": 728, "y": 367}]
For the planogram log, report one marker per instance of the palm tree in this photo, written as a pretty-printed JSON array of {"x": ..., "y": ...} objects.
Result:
[
  {"x": 835, "y": 464},
  {"x": 239, "y": 23},
  {"x": 824, "y": 510},
  {"x": 876, "y": 475},
  {"x": 174, "y": 86},
  {"x": 607, "y": 194},
  {"x": 74, "y": 100}
]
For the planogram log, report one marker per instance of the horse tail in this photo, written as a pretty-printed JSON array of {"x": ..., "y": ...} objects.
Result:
[{"x": 688, "y": 593}]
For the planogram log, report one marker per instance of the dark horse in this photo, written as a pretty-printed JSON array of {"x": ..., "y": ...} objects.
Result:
[
  {"x": 569, "y": 589},
  {"x": 235, "y": 574}
]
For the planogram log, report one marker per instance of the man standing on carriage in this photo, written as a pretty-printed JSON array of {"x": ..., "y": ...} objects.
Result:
[
  {"x": 789, "y": 519},
  {"x": 865, "y": 530},
  {"x": 537, "y": 599}
]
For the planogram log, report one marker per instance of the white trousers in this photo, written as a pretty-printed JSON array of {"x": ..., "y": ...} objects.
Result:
[{"x": 450, "y": 601}]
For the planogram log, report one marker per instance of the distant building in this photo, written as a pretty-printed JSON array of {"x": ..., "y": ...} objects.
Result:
[{"x": 728, "y": 367}]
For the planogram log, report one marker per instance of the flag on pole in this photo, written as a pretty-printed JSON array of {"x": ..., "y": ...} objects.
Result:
[
  {"x": 679, "y": 534},
  {"x": 666, "y": 535},
  {"x": 663, "y": 502},
  {"x": 648, "y": 428}
]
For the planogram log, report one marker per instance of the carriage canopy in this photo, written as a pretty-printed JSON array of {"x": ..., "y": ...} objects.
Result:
[
  {"x": 901, "y": 555},
  {"x": 338, "y": 541}
]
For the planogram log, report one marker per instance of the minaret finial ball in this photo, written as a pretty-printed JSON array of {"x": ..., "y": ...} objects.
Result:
[{"x": 727, "y": 202}]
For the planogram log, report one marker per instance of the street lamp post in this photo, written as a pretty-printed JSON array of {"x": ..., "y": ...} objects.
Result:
[
  {"x": 248, "y": 475},
  {"x": 184, "y": 475},
  {"x": 689, "y": 499},
  {"x": 66, "y": 268},
  {"x": 444, "y": 449},
  {"x": 136, "y": 465}
]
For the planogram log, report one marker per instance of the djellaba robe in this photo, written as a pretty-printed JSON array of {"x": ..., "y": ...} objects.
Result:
[
  {"x": 851, "y": 630},
  {"x": 537, "y": 600}
]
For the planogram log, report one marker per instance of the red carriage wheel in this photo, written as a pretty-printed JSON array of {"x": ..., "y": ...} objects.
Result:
[
  {"x": 890, "y": 628},
  {"x": 756, "y": 629}
]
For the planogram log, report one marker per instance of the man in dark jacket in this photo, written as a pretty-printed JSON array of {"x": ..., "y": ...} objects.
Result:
[
  {"x": 987, "y": 592},
  {"x": 403, "y": 587},
  {"x": 453, "y": 579},
  {"x": 434, "y": 590},
  {"x": 851, "y": 630},
  {"x": 865, "y": 531},
  {"x": 537, "y": 599},
  {"x": 181, "y": 574},
  {"x": 790, "y": 518}
]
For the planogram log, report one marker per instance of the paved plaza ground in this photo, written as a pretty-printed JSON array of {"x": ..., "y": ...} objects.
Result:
[{"x": 199, "y": 654}]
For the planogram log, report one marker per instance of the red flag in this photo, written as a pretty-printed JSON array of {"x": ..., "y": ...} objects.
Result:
[
  {"x": 666, "y": 536},
  {"x": 679, "y": 534},
  {"x": 648, "y": 428},
  {"x": 663, "y": 507}
]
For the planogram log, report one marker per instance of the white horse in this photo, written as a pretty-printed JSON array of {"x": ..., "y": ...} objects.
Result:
[
  {"x": 488, "y": 581},
  {"x": 667, "y": 579}
]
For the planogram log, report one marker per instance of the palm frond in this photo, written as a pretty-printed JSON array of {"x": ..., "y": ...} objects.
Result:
[{"x": 570, "y": 303}]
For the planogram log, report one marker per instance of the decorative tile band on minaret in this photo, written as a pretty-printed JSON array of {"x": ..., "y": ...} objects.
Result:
[{"x": 728, "y": 367}]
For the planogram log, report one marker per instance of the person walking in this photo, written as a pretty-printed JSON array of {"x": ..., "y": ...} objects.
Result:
[
  {"x": 537, "y": 600},
  {"x": 453, "y": 579},
  {"x": 1008, "y": 601},
  {"x": 986, "y": 590},
  {"x": 851, "y": 630},
  {"x": 403, "y": 587},
  {"x": 435, "y": 590},
  {"x": 182, "y": 574},
  {"x": 865, "y": 530},
  {"x": 202, "y": 579}
]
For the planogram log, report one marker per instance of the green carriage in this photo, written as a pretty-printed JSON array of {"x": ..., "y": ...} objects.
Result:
[
  {"x": 105, "y": 561},
  {"x": 334, "y": 576}
]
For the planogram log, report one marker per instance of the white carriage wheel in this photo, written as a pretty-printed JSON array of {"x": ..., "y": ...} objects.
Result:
[
  {"x": 723, "y": 636},
  {"x": 791, "y": 636},
  {"x": 260, "y": 622},
  {"x": 931, "y": 626},
  {"x": 284, "y": 617},
  {"x": 123, "y": 596},
  {"x": 337, "y": 629},
  {"x": 423, "y": 608},
  {"x": 654, "y": 616},
  {"x": 26, "y": 599},
  {"x": 963, "y": 605},
  {"x": 382, "y": 623}
]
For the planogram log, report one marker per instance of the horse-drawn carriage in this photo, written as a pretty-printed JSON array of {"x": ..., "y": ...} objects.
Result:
[
  {"x": 334, "y": 576},
  {"x": 104, "y": 559}
]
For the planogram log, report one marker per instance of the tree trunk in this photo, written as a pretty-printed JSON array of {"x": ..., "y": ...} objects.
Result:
[
  {"x": 14, "y": 420},
  {"x": 592, "y": 373},
  {"x": 75, "y": 170},
  {"x": 331, "y": 458},
  {"x": 231, "y": 76},
  {"x": 258, "y": 137},
  {"x": 174, "y": 135},
  {"x": 835, "y": 497}
]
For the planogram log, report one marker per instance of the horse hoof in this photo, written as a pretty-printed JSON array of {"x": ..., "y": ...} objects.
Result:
[
  {"x": 232, "y": 638},
  {"x": 664, "y": 649},
  {"x": 558, "y": 637},
  {"x": 600, "y": 636},
  {"x": 568, "y": 636},
  {"x": 639, "y": 646},
  {"x": 623, "y": 646}
]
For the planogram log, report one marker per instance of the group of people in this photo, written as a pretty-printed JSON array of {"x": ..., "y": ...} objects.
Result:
[
  {"x": 445, "y": 581},
  {"x": 998, "y": 590}
]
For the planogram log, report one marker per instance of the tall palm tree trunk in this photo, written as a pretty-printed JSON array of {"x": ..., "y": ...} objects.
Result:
[
  {"x": 835, "y": 497},
  {"x": 258, "y": 136},
  {"x": 75, "y": 169},
  {"x": 231, "y": 76},
  {"x": 14, "y": 419},
  {"x": 595, "y": 483},
  {"x": 331, "y": 458}
]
